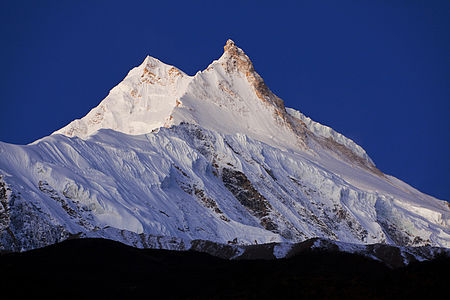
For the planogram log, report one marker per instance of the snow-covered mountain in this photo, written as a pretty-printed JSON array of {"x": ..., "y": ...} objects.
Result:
[{"x": 167, "y": 158}]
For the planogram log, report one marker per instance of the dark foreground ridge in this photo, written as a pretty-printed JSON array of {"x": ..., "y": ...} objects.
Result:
[{"x": 104, "y": 269}]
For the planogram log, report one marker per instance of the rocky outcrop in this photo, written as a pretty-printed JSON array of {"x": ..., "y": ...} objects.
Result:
[
  {"x": 239, "y": 185},
  {"x": 25, "y": 228},
  {"x": 5, "y": 192}
]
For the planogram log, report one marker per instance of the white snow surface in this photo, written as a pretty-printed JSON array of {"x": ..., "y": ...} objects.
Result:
[
  {"x": 154, "y": 158},
  {"x": 142, "y": 102},
  {"x": 328, "y": 132}
]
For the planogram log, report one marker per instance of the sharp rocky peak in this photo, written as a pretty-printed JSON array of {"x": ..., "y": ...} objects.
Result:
[
  {"x": 234, "y": 59},
  {"x": 230, "y": 44}
]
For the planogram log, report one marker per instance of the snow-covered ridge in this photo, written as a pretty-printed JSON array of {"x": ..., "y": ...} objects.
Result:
[
  {"x": 328, "y": 132},
  {"x": 228, "y": 97}
]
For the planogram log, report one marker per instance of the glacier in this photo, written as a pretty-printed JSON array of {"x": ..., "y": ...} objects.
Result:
[{"x": 167, "y": 159}]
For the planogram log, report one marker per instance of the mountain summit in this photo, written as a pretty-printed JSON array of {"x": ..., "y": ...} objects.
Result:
[
  {"x": 156, "y": 94},
  {"x": 228, "y": 97},
  {"x": 167, "y": 160}
]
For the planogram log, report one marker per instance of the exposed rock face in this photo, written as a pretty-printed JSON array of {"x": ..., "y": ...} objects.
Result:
[
  {"x": 25, "y": 227},
  {"x": 239, "y": 185},
  {"x": 239, "y": 61},
  {"x": 235, "y": 60},
  {"x": 4, "y": 206}
]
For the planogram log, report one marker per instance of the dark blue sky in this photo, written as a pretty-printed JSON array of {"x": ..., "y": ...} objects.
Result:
[{"x": 376, "y": 71}]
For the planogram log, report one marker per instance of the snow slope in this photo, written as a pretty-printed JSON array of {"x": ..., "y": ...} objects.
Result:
[
  {"x": 142, "y": 102},
  {"x": 168, "y": 158}
]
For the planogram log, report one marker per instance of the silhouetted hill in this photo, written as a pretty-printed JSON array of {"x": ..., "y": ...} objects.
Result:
[{"x": 104, "y": 269}]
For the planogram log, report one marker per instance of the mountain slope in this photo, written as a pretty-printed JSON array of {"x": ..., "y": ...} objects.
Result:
[{"x": 168, "y": 158}]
